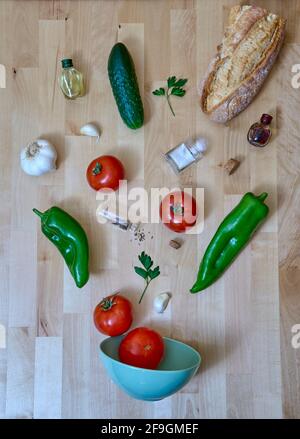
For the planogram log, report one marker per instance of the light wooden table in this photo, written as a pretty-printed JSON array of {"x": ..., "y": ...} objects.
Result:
[{"x": 242, "y": 324}]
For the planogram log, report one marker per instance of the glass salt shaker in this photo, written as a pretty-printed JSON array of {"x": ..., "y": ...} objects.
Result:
[
  {"x": 259, "y": 133},
  {"x": 186, "y": 153}
]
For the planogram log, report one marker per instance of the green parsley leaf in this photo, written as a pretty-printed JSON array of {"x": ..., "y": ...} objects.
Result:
[
  {"x": 154, "y": 273},
  {"x": 148, "y": 274},
  {"x": 159, "y": 92},
  {"x": 174, "y": 88},
  {"x": 171, "y": 81},
  {"x": 180, "y": 82},
  {"x": 177, "y": 91},
  {"x": 141, "y": 272}
]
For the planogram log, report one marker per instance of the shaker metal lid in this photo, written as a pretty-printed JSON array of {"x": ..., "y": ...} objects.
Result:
[{"x": 198, "y": 147}]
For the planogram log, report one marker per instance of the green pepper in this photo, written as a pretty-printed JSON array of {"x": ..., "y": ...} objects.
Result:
[
  {"x": 70, "y": 239},
  {"x": 232, "y": 235}
]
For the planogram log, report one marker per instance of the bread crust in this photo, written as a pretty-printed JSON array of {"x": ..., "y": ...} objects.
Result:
[{"x": 243, "y": 95}]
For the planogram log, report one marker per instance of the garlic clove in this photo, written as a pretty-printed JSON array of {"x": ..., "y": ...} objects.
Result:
[
  {"x": 161, "y": 301},
  {"x": 91, "y": 130}
]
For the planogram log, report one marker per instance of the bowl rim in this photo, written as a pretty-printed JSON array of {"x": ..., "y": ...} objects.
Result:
[{"x": 155, "y": 370}]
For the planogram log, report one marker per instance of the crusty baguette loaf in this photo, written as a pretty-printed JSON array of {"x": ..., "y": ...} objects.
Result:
[{"x": 248, "y": 51}]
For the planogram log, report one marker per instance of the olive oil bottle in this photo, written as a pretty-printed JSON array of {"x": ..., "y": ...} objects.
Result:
[{"x": 71, "y": 80}]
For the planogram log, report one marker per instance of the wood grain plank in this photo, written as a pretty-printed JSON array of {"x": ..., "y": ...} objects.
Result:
[
  {"x": 239, "y": 396},
  {"x": 288, "y": 236},
  {"x": 131, "y": 151},
  {"x": 3, "y": 378},
  {"x": 20, "y": 373},
  {"x": 75, "y": 299},
  {"x": 22, "y": 279},
  {"x": 104, "y": 16},
  {"x": 238, "y": 325},
  {"x": 263, "y": 161},
  {"x": 131, "y": 142},
  {"x": 266, "y": 364},
  {"x": 25, "y": 53},
  {"x": 4, "y": 275},
  {"x": 24, "y": 116},
  {"x": 131, "y": 11},
  {"x": 49, "y": 271},
  {"x": 5, "y": 189},
  {"x": 51, "y": 127},
  {"x": 157, "y": 17},
  {"x": 105, "y": 392},
  {"x": 48, "y": 378},
  {"x": 51, "y": 99},
  {"x": 182, "y": 50},
  {"x": 55, "y": 9},
  {"x": 211, "y": 306},
  {"x": 79, "y": 48},
  {"x": 238, "y": 317},
  {"x": 76, "y": 366}
]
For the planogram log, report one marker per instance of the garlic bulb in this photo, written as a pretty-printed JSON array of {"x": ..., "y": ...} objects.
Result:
[
  {"x": 90, "y": 129},
  {"x": 38, "y": 157},
  {"x": 161, "y": 302}
]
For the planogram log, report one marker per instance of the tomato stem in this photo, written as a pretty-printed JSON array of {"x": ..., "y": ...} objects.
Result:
[
  {"x": 97, "y": 169},
  {"x": 107, "y": 303},
  {"x": 178, "y": 209}
]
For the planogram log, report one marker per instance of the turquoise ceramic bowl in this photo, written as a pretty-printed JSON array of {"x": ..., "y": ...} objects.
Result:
[{"x": 179, "y": 365}]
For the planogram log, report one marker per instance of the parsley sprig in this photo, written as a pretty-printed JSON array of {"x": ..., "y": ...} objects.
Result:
[
  {"x": 174, "y": 87},
  {"x": 147, "y": 272}
]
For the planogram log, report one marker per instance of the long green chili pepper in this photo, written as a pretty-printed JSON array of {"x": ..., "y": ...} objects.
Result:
[
  {"x": 232, "y": 235},
  {"x": 70, "y": 239}
]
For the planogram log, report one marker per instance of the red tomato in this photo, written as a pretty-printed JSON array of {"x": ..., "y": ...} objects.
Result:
[
  {"x": 113, "y": 315},
  {"x": 142, "y": 347},
  {"x": 178, "y": 211},
  {"x": 105, "y": 172}
]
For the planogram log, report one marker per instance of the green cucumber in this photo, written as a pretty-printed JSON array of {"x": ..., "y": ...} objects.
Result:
[{"x": 125, "y": 87}]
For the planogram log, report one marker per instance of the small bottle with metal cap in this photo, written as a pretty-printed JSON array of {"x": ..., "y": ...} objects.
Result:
[
  {"x": 71, "y": 80},
  {"x": 260, "y": 133},
  {"x": 111, "y": 216},
  {"x": 186, "y": 153}
]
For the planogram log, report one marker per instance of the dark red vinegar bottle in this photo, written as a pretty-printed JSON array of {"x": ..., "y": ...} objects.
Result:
[{"x": 260, "y": 133}]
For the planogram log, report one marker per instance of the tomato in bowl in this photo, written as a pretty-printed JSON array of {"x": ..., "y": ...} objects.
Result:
[
  {"x": 142, "y": 347},
  {"x": 179, "y": 364}
]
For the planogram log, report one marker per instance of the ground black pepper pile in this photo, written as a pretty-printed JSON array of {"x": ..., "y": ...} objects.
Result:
[{"x": 140, "y": 236}]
